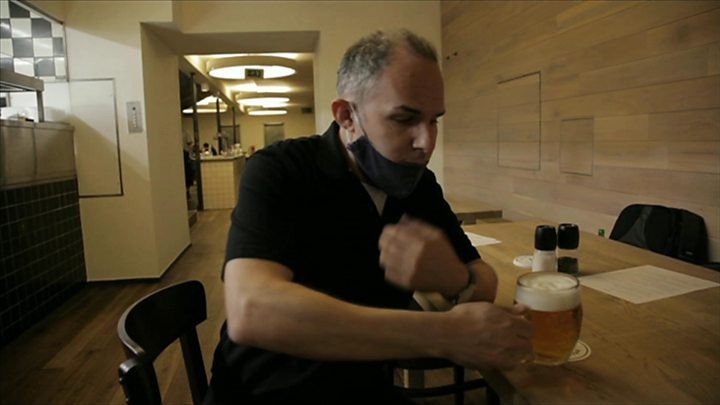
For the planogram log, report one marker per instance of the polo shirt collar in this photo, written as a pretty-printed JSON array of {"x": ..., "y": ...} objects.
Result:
[{"x": 332, "y": 161}]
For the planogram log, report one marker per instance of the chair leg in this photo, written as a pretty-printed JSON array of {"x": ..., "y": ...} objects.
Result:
[
  {"x": 491, "y": 397},
  {"x": 459, "y": 377}
]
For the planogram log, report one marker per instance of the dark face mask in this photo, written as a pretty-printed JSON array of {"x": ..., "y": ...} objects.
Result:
[{"x": 396, "y": 179}]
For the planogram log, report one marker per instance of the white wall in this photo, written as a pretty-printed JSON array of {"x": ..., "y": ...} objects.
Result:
[
  {"x": 296, "y": 125},
  {"x": 138, "y": 234},
  {"x": 164, "y": 129}
]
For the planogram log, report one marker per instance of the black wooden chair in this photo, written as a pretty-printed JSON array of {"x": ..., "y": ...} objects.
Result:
[
  {"x": 457, "y": 388},
  {"x": 417, "y": 367},
  {"x": 149, "y": 326}
]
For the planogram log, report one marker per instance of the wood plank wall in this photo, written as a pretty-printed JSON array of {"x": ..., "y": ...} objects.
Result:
[{"x": 629, "y": 107}]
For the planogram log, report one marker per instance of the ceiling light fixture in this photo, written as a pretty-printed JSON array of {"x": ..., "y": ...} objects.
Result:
[
  {"x": 264, "y": 101},
  {"x": 204, "y": 110},
  {"x": 209, "y": 100},
  {"x": 286, "y": 55},
  {"x": 251, "y": 67},
  {"x": 267, "y": 112},
  {"x": 252, "y": 87}
]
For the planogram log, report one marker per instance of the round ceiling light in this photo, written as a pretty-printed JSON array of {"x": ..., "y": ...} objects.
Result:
[{"x": 251, "y": 67}]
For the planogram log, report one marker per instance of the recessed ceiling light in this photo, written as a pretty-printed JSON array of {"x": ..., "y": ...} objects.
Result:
[
  {"x": 254, "y": 88},
  {"x": 263, "y": 101},
  {"x": 286, "y": 55},
  {"x": 209, "y": 100},
  {"x": 204, "y": 110},
  {"x": 259, "y": 67},
  {"x": 267, "y": 112}
]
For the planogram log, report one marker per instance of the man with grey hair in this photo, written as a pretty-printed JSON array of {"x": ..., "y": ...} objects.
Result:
[{"x": 333, "y": 233}]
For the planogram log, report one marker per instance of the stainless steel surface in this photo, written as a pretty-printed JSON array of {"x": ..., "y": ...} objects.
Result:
[
  {"x": 35, "y": 152},
  {"x": 17, "y": 150},
  {"x": 12, "y": 82},
  {"x": 54, "y": 152}
]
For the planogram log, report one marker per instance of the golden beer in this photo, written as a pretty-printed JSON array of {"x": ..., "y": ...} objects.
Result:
[{"x": 555, "y": 311}]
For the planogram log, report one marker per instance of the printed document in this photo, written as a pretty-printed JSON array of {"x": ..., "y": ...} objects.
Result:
[{"x": 645, "y": 283}]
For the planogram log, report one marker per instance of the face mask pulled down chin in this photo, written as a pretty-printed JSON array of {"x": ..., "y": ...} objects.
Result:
[{"x": 396, "y": 179}]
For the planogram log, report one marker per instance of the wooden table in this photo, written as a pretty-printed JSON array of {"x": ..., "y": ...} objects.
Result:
[{"x": 664, "y": 351}]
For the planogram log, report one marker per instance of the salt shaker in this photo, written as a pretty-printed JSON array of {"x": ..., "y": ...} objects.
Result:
[{"x": 545, "y": 258}]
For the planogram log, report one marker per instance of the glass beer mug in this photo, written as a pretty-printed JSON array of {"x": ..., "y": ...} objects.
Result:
[{"x": 555, "y": 311}]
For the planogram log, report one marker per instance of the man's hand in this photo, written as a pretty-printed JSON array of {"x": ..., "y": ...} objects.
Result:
[
  {"x": 487, "y": 336},
  {"x": 418, "y": 256}
]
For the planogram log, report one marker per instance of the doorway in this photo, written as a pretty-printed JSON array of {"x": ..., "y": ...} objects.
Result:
[{"x": 274, "y": 131}]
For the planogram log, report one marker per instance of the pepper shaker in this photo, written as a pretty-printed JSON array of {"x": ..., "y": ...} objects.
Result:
[{"x": 568, "y": 242}]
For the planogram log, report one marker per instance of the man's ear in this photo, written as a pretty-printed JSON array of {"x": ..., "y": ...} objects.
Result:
[{"x": 343, "y": 114}]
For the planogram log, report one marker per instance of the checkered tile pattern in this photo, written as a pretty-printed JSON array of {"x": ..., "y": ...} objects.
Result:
[{"x": 31, "y": 44}]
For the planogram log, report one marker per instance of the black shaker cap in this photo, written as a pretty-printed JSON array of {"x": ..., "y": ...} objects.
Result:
[
  {"x": 545, "y": 237},
  {"x": 568, "y": 236}
]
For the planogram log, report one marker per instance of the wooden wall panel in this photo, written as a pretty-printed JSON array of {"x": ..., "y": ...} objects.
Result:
[
  {"x": 645, "y": 78},
  {"x": 518, "y": 122},
  {"x": 694, "y": 125},
  {"x": 693, "y": 31},
  {"x": 576, "y": 146}
]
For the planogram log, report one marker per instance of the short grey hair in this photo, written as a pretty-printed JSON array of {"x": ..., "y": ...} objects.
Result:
[{"x": 365, "y": 59}]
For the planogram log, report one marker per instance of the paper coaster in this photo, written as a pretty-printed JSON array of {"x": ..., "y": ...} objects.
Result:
[
  {"x": 523, "y": 261},
  {"x": 581, "y": 351}
]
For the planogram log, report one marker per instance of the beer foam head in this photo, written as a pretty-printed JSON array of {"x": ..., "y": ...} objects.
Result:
[{"x": 548, "y": 291}]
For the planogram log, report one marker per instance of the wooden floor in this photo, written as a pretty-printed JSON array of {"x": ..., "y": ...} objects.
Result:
[{"x": 71, "y": 357}]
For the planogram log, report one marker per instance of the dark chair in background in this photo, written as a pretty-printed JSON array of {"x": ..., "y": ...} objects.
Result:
[
  {"x": 673, "y": 232},
  {"x": 149, "y": 326}
]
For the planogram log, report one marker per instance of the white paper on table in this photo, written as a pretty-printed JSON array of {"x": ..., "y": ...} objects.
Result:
[
  {"x": 645, "y": 283},
  {"x": 480, "y": 240}
]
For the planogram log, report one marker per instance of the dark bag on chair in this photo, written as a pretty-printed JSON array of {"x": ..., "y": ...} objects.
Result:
[{"x": 673, "y": 232}]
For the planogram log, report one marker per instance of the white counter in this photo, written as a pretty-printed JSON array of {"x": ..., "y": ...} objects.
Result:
[{"x": 221, "y": 181}]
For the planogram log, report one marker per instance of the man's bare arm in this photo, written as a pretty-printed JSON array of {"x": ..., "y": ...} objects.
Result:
[{"x": 266, "y": 309}]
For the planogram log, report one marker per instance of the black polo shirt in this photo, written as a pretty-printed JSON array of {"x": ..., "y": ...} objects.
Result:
[{"x": 301, "y": 205}]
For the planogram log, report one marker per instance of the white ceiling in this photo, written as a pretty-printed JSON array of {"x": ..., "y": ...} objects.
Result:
[{"x": 202, "y": 47}]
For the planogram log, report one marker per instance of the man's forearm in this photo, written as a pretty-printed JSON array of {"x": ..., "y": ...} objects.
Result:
[
  {"x": 484, "y": 278},
  {"x": 487, "y": 281},
  {"x": 266, "y": 309}
]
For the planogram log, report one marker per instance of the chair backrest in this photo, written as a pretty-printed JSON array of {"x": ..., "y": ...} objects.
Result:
[
  {"x": 672, "y": 232},
  {"x": 149, "y": 326}
]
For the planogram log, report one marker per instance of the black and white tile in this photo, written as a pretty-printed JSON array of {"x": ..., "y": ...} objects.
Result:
[{"x": 31, "y": 44}]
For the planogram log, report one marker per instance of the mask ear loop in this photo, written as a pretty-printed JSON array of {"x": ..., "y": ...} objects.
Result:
[
  {"x": 356, "y": 111},
  {"x": 353, "y": 110}
]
